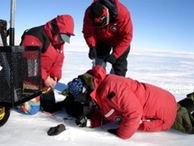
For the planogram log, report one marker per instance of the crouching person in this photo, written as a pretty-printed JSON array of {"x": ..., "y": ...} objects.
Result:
[
  {"x": 131, "y": 104},
  {"x": 185, "y": 115},
  {"x": 51, "y": 38}
]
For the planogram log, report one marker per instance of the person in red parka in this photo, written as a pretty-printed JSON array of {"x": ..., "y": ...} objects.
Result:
[
  {"x": 51, "y": 38},
  {"x": 131, "y": 104},
  {"x": 108, "y": 30}
]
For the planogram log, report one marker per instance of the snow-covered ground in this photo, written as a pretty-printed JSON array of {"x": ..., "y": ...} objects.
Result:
[{"x": 170, "y": 70}]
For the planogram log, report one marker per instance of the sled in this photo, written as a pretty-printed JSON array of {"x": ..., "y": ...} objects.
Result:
[{"x": 20, "y": 71}]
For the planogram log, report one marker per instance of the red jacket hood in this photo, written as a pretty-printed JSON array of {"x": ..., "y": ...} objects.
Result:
[
  {"x": 64, "y": 24},
  {"x": 99, "y": 74}
]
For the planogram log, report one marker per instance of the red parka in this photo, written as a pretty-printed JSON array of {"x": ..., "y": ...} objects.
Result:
[
  {"x": 117, "y": 34},
  {"x": 46, "y": 37},
  {"x": 132, "y": 104}
]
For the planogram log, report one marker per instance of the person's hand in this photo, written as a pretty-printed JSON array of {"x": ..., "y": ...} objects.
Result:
[
  {"x": 83, "y": 121},
  {"x": 50, "y": 82},
  {"x": 111, "y": 59},
  {"x": 92, "y": 53}
]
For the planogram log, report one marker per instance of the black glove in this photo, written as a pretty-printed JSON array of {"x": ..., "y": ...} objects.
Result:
[
  {"x": 81, "y": 121},
  {"x": 56, "y": 130},
  {"x": 112, "y": 131},
  {"x": 111, "y": 59},
  {"x": 92, "y": 53}
]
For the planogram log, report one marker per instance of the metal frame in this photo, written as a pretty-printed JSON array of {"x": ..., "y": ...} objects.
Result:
[{"x": 11, "y": 77}]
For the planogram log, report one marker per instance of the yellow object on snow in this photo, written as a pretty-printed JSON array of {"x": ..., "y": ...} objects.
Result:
[{"x": 2, "y": 112}]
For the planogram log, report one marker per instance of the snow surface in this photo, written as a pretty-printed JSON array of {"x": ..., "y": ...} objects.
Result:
[{"x": 170, "y": 70}]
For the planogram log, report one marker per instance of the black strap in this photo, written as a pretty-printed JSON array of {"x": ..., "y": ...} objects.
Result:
[
  {"x": 111, "y": 95},
  {"x": 55, "y": 28},
  {"x": 39, "y": 33}
]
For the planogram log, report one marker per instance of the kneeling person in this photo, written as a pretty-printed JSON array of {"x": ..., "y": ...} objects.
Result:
[{"x": 131, "y": 104}]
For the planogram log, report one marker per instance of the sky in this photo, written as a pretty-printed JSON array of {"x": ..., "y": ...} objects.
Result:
[{"x": 158, "y": 24}]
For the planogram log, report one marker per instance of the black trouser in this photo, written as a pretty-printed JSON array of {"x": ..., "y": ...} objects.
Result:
[
  {"x": 48, "y": 104},
  {"x": 120, "y": 67}
]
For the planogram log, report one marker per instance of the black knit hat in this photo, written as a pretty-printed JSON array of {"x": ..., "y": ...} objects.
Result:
[
  {"x": 96, "y": 9},
  {"x": 99, "y": 14}
]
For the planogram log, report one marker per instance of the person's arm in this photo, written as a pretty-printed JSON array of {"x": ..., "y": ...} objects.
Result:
[
  {"x": 152, "y": 125},
  {"x": 97, "y": 120},
  {"x": 126, "y": 33},
  {"x": 91, "y": 121},
  {"x": 88, "y": 29},
  {"x": 57, "y": 68},
  {"x": 131, "y": 113}
]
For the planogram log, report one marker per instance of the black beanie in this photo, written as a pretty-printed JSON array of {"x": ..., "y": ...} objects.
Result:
[{"x": 96, "y": 9}]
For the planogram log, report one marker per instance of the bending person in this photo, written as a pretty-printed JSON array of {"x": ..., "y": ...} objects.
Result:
[{"x": 129, "y": 103}]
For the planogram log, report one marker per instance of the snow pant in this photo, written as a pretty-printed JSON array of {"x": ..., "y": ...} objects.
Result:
[
  {"x": 120, "y": 67},
  {"x": 48, "y": 103},
  {"x": 183, "y": 121},
  {"x": 188, "y": 102},
  {"x": 185, "y": 115}
]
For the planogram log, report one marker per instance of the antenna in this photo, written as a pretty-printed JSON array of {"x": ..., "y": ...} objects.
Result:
[{"x": 12, "y": 23}]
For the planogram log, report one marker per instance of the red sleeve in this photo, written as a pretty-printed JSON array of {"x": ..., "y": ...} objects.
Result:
[
  {"x": 57, "y": 68},
  {"x": 29, "y": 40},
  {"x": 131, "y": 114},
  {"x": 88, "y": 29},
  {"x": 44, "y": 74},
  {"x": 46, "y": 65},
  {"x": 51, "y": 63},
  {"x": 97, "y": 120},
  {"x": 126, "y": 32},
  {"x": 152, "y": 126}
]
